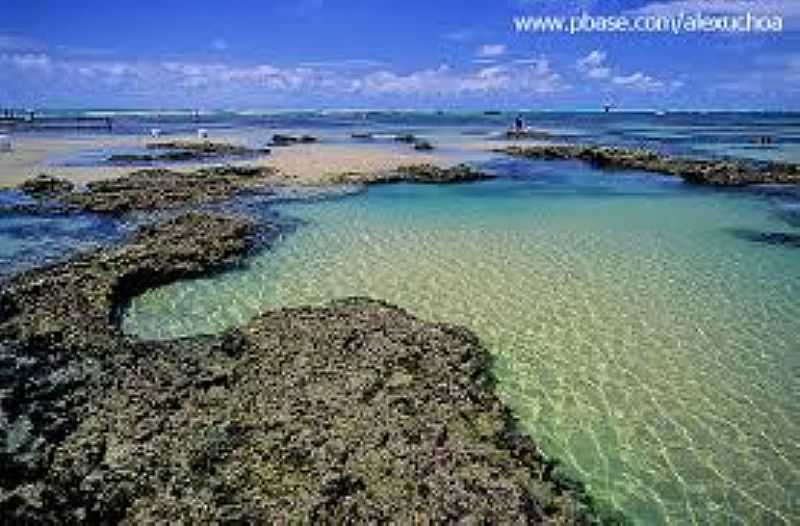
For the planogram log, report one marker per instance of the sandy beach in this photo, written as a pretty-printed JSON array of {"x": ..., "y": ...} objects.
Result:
[{"x": 301, "y": 164}]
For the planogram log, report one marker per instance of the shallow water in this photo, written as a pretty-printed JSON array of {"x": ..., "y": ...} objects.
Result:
[
  {"x": 28, "y": 240},
  {"x": 638, "y": 338}
]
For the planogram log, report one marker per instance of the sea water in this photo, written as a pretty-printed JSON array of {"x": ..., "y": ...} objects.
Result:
[
  {"x": 641, "y": 338},
  {"x": 33, "y": 240}
]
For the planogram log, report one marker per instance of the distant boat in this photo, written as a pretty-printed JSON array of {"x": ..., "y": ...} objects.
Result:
[
  {"x": 661, "y": 113},
  {"x": 607, "y": 108}
]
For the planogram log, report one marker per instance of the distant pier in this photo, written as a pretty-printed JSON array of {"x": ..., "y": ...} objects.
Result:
[{"x": 12, "y": 120}]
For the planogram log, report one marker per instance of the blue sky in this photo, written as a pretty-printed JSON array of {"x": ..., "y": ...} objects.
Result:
[{"x": 446, "y": 54}]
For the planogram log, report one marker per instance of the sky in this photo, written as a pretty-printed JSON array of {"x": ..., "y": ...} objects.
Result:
[{"x": 414, "y": 54}]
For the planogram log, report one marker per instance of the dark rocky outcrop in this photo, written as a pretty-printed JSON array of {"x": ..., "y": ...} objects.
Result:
[
  {"x": 352, "y": 412},
  {"x": 406, "y": 138},
  {"x": 202, "y": 147},
  {"x": 696, "y": 171},
  {"x": 417, "y": 173},
  {"x": 288, "y": 140},
  {"x": 160, "y": 189},
  {"x": 71, "y": 305},
  {"x": 46, "y": 186},
  {"x": 432, "y": 174},
  {"x": 175, "y": 151},
  {"x": 153, "y": 189}
]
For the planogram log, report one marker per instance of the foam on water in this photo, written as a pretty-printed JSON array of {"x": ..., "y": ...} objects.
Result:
[{"x": 637, "y": 339}]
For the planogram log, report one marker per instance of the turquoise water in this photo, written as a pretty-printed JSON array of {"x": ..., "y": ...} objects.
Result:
[{"x": 638, "y": 338}]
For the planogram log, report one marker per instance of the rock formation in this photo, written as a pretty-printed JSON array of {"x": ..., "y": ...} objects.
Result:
[
  {"x": 696, "y": 171},
  {"x": 175, "y": 151},
  {"x": 351, "y": 412},
  {"x": 153, "y": 189}
]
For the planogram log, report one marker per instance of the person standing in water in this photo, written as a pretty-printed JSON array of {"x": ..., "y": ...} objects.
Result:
[{"x": 519, "y": 124}]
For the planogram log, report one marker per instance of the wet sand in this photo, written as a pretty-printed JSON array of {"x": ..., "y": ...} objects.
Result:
[{"x": 32, "y": 155}]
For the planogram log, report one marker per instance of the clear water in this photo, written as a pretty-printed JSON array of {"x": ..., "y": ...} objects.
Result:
[
  {"x": 638, "y": 338},
  {"x": 27, "y": 240}
]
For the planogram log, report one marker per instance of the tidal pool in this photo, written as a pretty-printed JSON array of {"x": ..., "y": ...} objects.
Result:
[{"x": 639, "y": 338}]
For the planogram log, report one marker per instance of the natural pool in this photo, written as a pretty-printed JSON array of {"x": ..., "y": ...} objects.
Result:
[
  {"x": 639, "y": 339},
  {"x": 31, "y": 240}
]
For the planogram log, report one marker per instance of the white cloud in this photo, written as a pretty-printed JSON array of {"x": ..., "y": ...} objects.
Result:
[
  {"x": 162, "y": 79},
  {"x": 491, "y": 50},
  {"x": 536, "y": 78},
  {"x": 639, "y": 82},
  {"x": 29, "y": 62},
  {"x": 593, "y": 65}
]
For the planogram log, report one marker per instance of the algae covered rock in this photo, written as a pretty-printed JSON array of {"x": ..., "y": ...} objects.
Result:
[
  {"x": 153, "y": 189},
  {"x": 46, "y": 186},
  {"x": 354, "y": 411},
  {"x": 201, "y": 148},
  {"x": 182, "y": 151},
  {"x": 416, "y": 173},
  {"x": 72, "y": 305},
  {"x": 351, "y": 412},
  {"x": 287, "y": 140},
  {"x": 695, "y": 171},
  {"x": 429, "y": 173}
]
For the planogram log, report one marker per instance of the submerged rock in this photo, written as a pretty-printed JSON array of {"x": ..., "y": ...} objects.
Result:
[
  {"x": 352, "y": 412},
  {"x": 786, "y": 239},
  {"x": 696, "y": 171}
]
